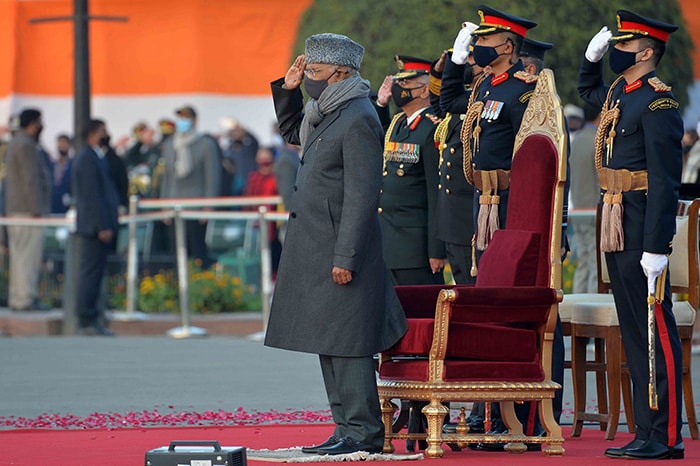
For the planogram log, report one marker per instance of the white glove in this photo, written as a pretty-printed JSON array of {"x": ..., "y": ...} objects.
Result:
[
  {"x": 653, "y": 265},
  {"x": 460, "y": 49},
  {"x": 598, "y": 45}
]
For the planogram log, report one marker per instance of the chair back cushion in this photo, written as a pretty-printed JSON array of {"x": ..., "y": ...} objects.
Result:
[
  {"x": 533, "y": 182},
  {"x": 510, "y": 260}
]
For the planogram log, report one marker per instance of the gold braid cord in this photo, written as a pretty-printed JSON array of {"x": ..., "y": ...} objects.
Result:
[
  {"x": 469, "y": 131},
  {"x": 612, "y": 236},
  {"x": 387, "y": 139},
  {"x": 440, "y": 136}
]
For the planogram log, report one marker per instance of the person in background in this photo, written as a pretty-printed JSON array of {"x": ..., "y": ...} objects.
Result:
[
  {"x": 240, "y": 146},
  {"x": 192, "y": 169},
  {"x": 28, "y": 194},
  {"x": 60, "y": 194},
  {"x": 575, "y": 119},
  {"x": 262, "y": 182},
  {"x": 585, "y": 193},
  {"x": 97, "y": 204}
]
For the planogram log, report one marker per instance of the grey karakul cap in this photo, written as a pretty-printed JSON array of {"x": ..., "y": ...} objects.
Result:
[{"x": 334, "y": 49}]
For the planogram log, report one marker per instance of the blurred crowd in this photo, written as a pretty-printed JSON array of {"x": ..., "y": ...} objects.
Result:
[{"x": 173, "y": 160}]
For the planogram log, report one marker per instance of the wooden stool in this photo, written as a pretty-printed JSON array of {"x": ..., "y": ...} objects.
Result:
[{"x": 598, "y": 320}]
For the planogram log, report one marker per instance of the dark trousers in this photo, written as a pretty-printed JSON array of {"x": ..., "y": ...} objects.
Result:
[
  {"x": 460, "y": 258},
  {"x": 195, "y": 242},
  {"x": 419, "y": 276},
  {"x": 93, "y": 259},
  {"x": 351, "y": 387},
  {"x": 629, "y": 285}
]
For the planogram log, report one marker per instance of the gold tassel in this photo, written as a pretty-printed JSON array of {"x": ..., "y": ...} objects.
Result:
[
  {"x": 493, "y": 216},
  {"x": 605, "y": 224},
  {"x": 482, "y": 222},
  {"x": 617, "y": 233},
  {"x": 473, "y": 270}
]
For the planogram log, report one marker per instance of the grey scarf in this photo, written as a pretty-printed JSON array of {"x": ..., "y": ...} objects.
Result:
[{"x": 333, "y": 97}]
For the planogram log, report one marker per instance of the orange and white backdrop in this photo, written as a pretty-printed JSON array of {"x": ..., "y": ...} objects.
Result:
[{"x": 217, "y": 55}]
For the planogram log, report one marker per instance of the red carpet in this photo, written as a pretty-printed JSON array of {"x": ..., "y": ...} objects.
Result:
[{"x": 127, "y": 447}]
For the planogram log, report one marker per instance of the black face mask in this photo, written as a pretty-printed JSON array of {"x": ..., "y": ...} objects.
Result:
[
  {"x": 315, "y": 87},
  {"x": 63, "y": 153},
  {"x": 104, "y": 141},
  {"x": 620, "y": 60},
  {"x": 39, "y": 129},
  {"x": 400, "y": 95},
  {"x": 484, "y": 56}
]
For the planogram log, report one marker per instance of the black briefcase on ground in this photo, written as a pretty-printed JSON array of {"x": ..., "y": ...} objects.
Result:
[{"x": 196, "y": 453}]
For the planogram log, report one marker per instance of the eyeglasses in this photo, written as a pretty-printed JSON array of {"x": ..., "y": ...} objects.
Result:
[
  {"x": 405, "y": 82},
  {"x": 313, "y": 72}
]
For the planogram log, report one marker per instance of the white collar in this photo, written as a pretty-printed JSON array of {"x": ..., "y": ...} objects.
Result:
[{"x": 415, "y": 115}]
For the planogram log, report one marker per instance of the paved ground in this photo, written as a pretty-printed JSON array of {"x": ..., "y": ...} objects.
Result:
[{"x": 82, "y": 375}]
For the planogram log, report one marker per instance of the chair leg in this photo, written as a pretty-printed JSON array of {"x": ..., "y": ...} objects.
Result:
[
  {"x": 578, "y": 375},
  {"x": 515, "y": 428},
  {"x": 554, "y": 436},
  {"x": 686, "y": 345},
  {"x": 388, "y": 410},
  {"x": 626, "y": 385},
  {"x": 600, "y": 376},
  {"x": 435, "y": 413},
  {"x": 613, "y": 363}
]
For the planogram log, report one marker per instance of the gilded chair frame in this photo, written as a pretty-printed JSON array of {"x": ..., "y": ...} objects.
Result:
[{"x": 544, "y": 116}]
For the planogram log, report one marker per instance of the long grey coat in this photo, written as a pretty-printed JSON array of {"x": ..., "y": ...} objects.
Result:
[{"x": 333, "y": 221}]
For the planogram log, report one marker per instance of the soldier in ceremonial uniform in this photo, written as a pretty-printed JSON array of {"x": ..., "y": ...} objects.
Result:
[
  {"x": 494, "y": 109},
  {"x": 639, "y": 163},
  {"x": 455, "y": 215},
  {"x": 412, "y": 252}
]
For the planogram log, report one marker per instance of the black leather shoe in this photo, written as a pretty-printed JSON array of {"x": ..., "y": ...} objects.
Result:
[
  {"x": 497, "y": 427},
  {"x": 618, "y": 452},
  {"x": 348, "y": 445},
  {"x": 653, "y": 450},
  {"x": 314, "y": 449}
]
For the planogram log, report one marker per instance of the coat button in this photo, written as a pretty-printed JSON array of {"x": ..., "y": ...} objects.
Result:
[
  {"x": 439, "y": 186},
  {"x": 449, "y": 164},
  {"x": 400, "y": 165},
  {"x": 448, "y": 177},
  {"x": 293, "y": 215},
  {"x": 447, "y": 191},
  {"x": 452, "y": 150},
  {"x": 379, "y": 210},
  {"x": 301, "y": 162},
  {"x": 295, "y": 187}
]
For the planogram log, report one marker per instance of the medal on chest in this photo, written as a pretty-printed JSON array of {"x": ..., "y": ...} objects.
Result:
[{"x": 492, "y": 109}]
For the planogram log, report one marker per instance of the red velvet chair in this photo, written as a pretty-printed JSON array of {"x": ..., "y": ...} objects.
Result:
[{"x": 493, "y": 341}]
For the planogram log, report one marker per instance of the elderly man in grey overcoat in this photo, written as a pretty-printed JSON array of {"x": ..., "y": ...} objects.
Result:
[{"x": 332, "y": 296}]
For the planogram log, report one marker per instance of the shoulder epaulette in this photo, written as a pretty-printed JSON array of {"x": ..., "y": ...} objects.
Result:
[
  {"x": 434, "y": 118},
  {"x": 663, "y": 103},
  {"x": 658, "y": 85},
  {"x": 525, "y": 76}
]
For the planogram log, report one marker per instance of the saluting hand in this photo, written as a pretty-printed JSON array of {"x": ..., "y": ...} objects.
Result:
[
  {"x": 598, "y": 45},
  {"x": 341, "y": 276},
  {"x": 384, "y": 92},
  {"x": 295, "y": 74},
  {"x": 460, "y": 49},
  {"x": 440, "y": 64}
]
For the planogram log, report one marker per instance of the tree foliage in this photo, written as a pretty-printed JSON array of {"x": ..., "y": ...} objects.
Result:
[{"x": 424, "y": 28}]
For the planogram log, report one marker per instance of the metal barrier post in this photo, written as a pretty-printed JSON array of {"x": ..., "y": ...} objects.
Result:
[
  {"x": 132, "y": 259},
  {"x": 186, "y": 330},
  {"x": 265, "y": 266}
]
